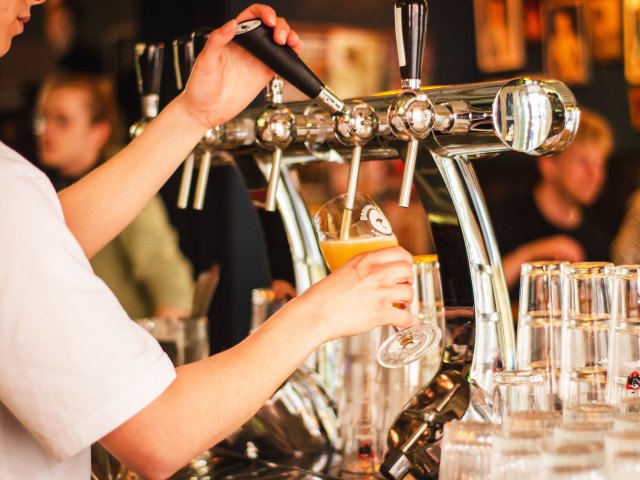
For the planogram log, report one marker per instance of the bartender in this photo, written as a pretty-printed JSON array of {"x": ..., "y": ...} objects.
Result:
[{"x": 73, "y": 368}]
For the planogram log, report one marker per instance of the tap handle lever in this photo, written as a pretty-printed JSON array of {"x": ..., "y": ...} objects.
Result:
[
  {"x": 183, "y": 59},
  {"x": 200, "y": 36},
  {"x": 185, "y": 181},
  {"x": 411, "y": 35},
  {"x": 257, "y": 38},
  {"x": 274, "y": 180},
  {"x": 148, "y": 65}
]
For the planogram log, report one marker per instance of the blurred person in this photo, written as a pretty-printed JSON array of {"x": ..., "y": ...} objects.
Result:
[
  {"x": 62, "y": 22},
  {"x": 143, "y": 265},
  {"x": 625, "y": 248},
  {"x": 73, "y": 367},
  {"x": 551, "y": 223}
]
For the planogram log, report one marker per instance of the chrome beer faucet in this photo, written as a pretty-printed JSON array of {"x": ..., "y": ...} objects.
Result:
[
  {"x": 411, "y": 116},
  {"x": 353, "y": 125},
  {"x": 185, "y": 51},
  {"x": 275, "y": 130},
  {"x": 148, "y": 59}
]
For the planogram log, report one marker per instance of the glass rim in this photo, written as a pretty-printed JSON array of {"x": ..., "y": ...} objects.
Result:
[
  {"x": 426, "y": 259},
  {"x": 519, "y": 377},
  {"x": 627, "y": 270},
  {"x": 588, "y": 268},
  {"x": 585, "y": 426},
  {"x": 544, "y": 265},
  {"x": 344, "y": 196},
  {"x": 622, "y": 435}
]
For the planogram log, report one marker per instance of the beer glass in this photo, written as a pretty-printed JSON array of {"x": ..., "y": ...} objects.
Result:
[
  {"x": 531, "y": 421},
  {"x": 626, "y": 422},
  {"x": 519, "y": 391},
  {"x": 572, "y": 461},
  {"x": 516, "y": 453},
  {"x": 623, "y": 382},
  {"x": 621, "y": 454},
  {"x": 589, "y": 412},
  {"x": 586, "y": 312},
  {"x": 344, "y": 233},
  {"x": 540, "y": 321},
  {"x": 466, "y": 450}
]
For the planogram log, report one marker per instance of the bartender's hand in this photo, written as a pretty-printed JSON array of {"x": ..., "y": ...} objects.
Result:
[
  {"x": 225, "y": 78},
  {"x": 360, "y": 295}
]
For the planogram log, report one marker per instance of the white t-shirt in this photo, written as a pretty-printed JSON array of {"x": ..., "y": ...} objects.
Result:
[{"x": 73, "y": 366}]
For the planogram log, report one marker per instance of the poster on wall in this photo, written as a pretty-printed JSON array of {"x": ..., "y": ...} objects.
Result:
[
  {"x": 532, "y": 21},
  {"x": 565, "y": 44},
  {"x": 632, "y": 41},
  {"x": 634, "y": 107},
  {"x": 605, "y": 29},
  {"x": 499, "y": 28}
]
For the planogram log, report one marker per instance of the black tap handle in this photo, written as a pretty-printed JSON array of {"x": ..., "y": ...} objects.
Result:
[
  {"x": 183, "y": 59},
  {"x": 148, "y": 65},
  {"x": 257, "y": 38},
  {"x": 200, "y": 37},
  {"x": 411, "y": 35}
]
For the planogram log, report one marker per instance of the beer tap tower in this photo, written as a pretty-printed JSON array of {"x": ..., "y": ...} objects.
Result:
[
  {"x": 148, "y": 58},
  {"x": 439, "y": 132}
]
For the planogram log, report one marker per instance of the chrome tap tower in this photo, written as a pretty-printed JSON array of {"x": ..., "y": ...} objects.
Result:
[{"x": 439, "y": 132}]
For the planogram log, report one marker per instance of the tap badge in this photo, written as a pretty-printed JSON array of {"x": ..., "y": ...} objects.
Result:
[
  {"x": 377, "y": 220},
  {"x": 633, "y": 381},
  {"x": 248, "y": 26}
]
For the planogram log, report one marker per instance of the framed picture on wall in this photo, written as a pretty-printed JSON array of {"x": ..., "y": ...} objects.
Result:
[
  {"x": 565, "y": 45},
  {"x": 634, "y": 107},
  {"x": 499, "y": 35},
  {"x": 532, "y": 21},
  {"x": 605, "y": 29},
  {"x": 632, "y": 41}
]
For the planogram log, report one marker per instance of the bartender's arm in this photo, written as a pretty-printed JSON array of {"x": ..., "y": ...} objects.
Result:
[
  {"x": 224, "y": 80},
  {"x": 212, "y": 398}
]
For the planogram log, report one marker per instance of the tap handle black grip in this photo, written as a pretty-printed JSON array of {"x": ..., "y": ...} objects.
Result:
[
  {"x": 257, "y": 38},
  {"x": 411, "y": 35},
  {"x": 148, "y": 65},
  {"x": 183, "y": 59}
]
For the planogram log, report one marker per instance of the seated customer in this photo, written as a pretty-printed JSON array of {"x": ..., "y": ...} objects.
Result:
[
  {"x": 143, "y": 265},
  {"x": 625, "y": 248},
  {"x": 550, "y": 223}
]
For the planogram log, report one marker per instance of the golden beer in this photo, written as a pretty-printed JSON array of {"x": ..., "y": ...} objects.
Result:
[{"x": 337, "y": 252}]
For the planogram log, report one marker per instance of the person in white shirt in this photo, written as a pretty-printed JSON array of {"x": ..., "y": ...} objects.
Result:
[{"x": 73, "y": 368}]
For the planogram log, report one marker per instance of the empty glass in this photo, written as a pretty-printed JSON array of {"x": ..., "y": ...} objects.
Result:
[
  {"x": 516, "y": 453},
  {"x": 623, "y": 382},
  {"x": 531, "y": 421},
  {"x": 358, "y": 408},
  {"x": 466, "y": 450},
  {"x": 540, "y": 321},
  {"x": 184, "y": 340},
  {"x": 626, "y": 421},
  {"x": 573, "y": 461},
  {"x": 586, "y": 311},
  {"x": 580, "y": 432},
  {"x": 589, "y": 412},
  {"x": 621, "y": 455},
  {"x": 519, "y": 391}
]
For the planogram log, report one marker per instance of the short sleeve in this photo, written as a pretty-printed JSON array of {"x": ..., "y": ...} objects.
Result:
[{"x": 73, "y": 366}]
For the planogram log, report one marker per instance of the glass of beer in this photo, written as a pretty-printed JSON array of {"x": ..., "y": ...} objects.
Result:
[{"x": 345, "y": 233}]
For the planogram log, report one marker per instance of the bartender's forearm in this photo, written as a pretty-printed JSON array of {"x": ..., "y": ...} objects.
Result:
[
  {"x": 100, "y": 205},
  {"x": 212, "y": 398}
]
